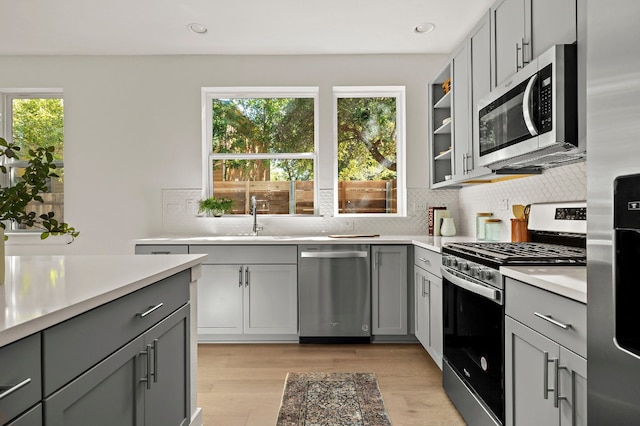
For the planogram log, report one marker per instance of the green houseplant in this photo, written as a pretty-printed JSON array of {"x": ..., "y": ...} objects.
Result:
[
  {"x": 215, "y": 206},
  {"x": 15, "y": 199}
]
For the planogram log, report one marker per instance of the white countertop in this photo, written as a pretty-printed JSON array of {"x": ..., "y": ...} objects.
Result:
[
  {"x": 567, "y": 281},
  {"x": 41, "y": 291},
  {"x": 430, "y": 243}
]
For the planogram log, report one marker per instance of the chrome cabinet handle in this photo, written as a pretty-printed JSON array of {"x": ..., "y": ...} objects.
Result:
[
  {"x": 518, "y": 49},
  {"x": 8, "y": 390},
  {"x": 155, "y": 361},
  {"x": 247, "y": 276},
  {"x": 574, "y": 419},
  {"x": 552, "y": 321},
  {"x": 557, "y": 398},
  {"x": 160, "y": 252},
  {"x": 151, "y": 309},
  {"x": 545, "y": 379},
  {"x": 147, "y": 354},
  {"x": 240, "y": 277},
  {"x": 523, "y": 45},
  {"x": 427, "y": 261}
]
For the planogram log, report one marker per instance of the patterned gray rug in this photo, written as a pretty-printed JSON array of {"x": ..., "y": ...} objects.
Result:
[{"x": 332, "y": 399}]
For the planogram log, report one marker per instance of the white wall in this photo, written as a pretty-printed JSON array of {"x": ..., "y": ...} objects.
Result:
[{"x": 132, "y": 128}]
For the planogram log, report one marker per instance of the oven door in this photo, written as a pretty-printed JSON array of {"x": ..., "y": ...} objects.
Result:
[{"x": 473, "y": 315}]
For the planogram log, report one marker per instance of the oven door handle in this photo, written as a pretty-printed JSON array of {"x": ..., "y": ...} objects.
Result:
[{"x": 479, "y": 289}]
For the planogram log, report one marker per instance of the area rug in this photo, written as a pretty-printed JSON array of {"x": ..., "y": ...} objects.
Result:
[{"x": 332, "y": 399}]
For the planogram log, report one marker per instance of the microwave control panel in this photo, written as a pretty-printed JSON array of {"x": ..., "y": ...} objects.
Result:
[{"x": 546, "y": 99}]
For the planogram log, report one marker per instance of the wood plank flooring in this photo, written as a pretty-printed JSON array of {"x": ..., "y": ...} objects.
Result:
[{"x": 241, "y": 384}]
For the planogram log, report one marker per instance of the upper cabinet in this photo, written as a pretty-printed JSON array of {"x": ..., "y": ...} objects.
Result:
[
  {"x": 440, "y": 124},
  {"x": 523, "y": 29}
]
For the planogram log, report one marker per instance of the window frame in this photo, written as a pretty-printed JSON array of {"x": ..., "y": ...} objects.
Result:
[
  {"x": 210, "y": 93},
  {"x": 398, "y": 92},
  {"x": 6, "y": 114}
]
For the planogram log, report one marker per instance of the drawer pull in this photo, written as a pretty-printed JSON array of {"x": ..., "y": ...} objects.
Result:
[
  {"x": 8, "y": 390},
  {"x": 155, "y": 361},
  {"x": 160, "y": 252},
  {"x": 424, "y": 260},
  {"x": 151, "y": 309},
  {"x": 552, "y": 321},
  {"x": 147, "y": 377}
]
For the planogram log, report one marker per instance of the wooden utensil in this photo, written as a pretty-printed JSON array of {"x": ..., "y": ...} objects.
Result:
[{"x": 518, "y": 211}]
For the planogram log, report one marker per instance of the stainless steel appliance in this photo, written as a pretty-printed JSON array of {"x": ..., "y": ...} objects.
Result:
[
  {"x": 334, "y": 293},
  {"x": 613, "y": 246},
  {"x": 473, "y": 304},
  {"x": 530, "y": 121}
]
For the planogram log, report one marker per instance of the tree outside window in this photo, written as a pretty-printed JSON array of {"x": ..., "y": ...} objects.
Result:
[
  {"x": 262, "y": 142},
  {"x": 37, "y": 120},
  {"x": 369, "y": 146}
]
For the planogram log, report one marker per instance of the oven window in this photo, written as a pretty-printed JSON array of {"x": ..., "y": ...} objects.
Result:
[{"x": 474, "y": 343}]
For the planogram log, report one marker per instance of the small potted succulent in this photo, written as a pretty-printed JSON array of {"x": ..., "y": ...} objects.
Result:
[{"x": 215, "y": 206}]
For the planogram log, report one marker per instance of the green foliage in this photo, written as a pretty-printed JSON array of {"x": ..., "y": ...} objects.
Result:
[
  {"x": 210, "y": 204},
  {"x": 39, "y": 123},
  {"x": 14, "y": 199},
  {"x": 367, "y": 148}
]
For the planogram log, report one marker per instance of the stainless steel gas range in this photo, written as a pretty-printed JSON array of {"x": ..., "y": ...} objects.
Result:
[{"x": 473, "y": 304}]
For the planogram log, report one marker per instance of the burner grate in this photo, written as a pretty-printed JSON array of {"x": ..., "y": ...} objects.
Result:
[{"x": 524, "y": 253}]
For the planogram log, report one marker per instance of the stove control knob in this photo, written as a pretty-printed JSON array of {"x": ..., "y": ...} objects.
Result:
[
  {"x": 486, "y": 274},
  {"x": 475, "y": 271},
  {"x": 452, "y": 262},
  {"x": 463, "y": 266}
]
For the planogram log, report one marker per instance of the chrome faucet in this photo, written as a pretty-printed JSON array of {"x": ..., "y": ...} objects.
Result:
[{"x": 254, "y": 213}]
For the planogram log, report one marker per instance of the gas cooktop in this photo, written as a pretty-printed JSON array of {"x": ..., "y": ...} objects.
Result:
[{"x": 529, "y": 253}]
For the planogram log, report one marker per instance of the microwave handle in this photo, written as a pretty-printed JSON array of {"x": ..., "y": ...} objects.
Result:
[{"x": 526, "y": 108}]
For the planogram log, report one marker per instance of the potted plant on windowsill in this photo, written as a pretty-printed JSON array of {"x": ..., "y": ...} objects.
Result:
[
  {"x": 215, "y": 206},
  {"x": 15, "y": 199}
]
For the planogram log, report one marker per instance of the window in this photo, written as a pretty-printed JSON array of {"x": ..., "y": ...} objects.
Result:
[
  {"x": 261, "y": 142},
  {"x": 35, "y": 120},
  {"x": 369, "y": 135}
]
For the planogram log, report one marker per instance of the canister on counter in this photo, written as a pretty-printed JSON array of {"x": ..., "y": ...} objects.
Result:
[
  {"x": 481, "y": 218},
  {"x": 493, "y": 229}
]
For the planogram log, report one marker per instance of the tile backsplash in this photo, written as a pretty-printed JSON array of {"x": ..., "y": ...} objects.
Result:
[
  {"x": 567, "y": 183},
  {"x": 180, "y": 207}
]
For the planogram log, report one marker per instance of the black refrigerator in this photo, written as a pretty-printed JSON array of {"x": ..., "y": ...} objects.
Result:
[{"x": 613, "y": 223}]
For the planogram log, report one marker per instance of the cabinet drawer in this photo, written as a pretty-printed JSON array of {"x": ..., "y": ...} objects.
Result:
[
  {"x": 20, "y": 376},
  {"x": 32, "y": 417},
  {"x": 74, "y": 346},
  {"x": 524, "y": 302},
  {"x": 168, "y": 249},
  {"x": 229, "y": 254},
  {"x": 428, "y": 260}
]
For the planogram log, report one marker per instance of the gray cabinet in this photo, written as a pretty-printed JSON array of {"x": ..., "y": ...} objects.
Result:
[
  {"x": 33, "y": 417},
  {"x": 247, "y": 292},
  {"x": 389, "y": 290},
  {"x": 143, "y": 383},
  {"x": 545, "y": 381},
  {"x": 440, "y": 133},
  {"x": 462, "y": 130},
  {"x": 20, "y": 377},
  {"x": 428, "y": 302},
  {"x": 523, "y": 29}
]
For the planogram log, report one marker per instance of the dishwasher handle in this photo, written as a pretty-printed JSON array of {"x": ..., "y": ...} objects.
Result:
[{"x": 333, "y": 254}]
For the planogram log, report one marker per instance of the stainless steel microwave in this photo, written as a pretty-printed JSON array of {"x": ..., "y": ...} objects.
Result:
[{"x": 531, "y": 120}]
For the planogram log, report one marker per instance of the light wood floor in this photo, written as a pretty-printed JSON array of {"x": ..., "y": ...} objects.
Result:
[{"x": 242, "y": 384}]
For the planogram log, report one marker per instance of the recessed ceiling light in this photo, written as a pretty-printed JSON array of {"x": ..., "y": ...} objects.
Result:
[
  {"x": 425, "y": 27},
  {"x": 197, "y": 28}
]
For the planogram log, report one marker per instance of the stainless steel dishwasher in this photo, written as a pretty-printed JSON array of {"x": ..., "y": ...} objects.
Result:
[{"x": 334, "y": 293}]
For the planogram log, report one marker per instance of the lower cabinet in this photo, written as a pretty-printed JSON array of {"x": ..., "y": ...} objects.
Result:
[
  {"x": 545, "y": 363},
  {"x": 389, "y": 290},
  {"x": 33, "y": 417},
  {"x": 428, "y": 311},
  {"x": 248, "y": 299},
  {"x": 547, "y": 384},
  {"x": 143, "y": 383}
]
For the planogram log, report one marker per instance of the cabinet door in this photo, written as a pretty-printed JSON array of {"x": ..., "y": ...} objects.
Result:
[
  {"x": 389, "y": 290},
  {"x": 552, "y": 22},
  {"x": 422, "y": 307},
  {"x": 271, "y": 299},
  {"x": 33, "y": 417},
  {"x": 480, "y": 69},
  {"x": 167, "y": 396},
  {"x": 461, "y": 112},
  {"x": 220, "y": 299},
  {"x": 573, "y": 386},
  {"x": 435, "y": 318},
  {"x": 106, "y": 395},
  {"x": 525, "y": 370},
  {"x": 509, "y": 31}
]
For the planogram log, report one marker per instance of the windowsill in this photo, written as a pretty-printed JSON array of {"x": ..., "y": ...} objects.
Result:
[{"x": 19, "y": 238}]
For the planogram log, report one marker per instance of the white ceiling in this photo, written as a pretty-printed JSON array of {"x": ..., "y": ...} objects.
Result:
[{"x": 156, "y": 27}]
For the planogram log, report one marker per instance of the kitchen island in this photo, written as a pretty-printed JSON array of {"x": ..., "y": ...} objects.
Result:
[{"x": 74, "y": 326}]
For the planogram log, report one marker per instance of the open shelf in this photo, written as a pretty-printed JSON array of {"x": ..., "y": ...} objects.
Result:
[
  {"x": 445, "y": 128},
  {"x": 445, "y": 155},
  {"x": 445, "y": 101}
]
